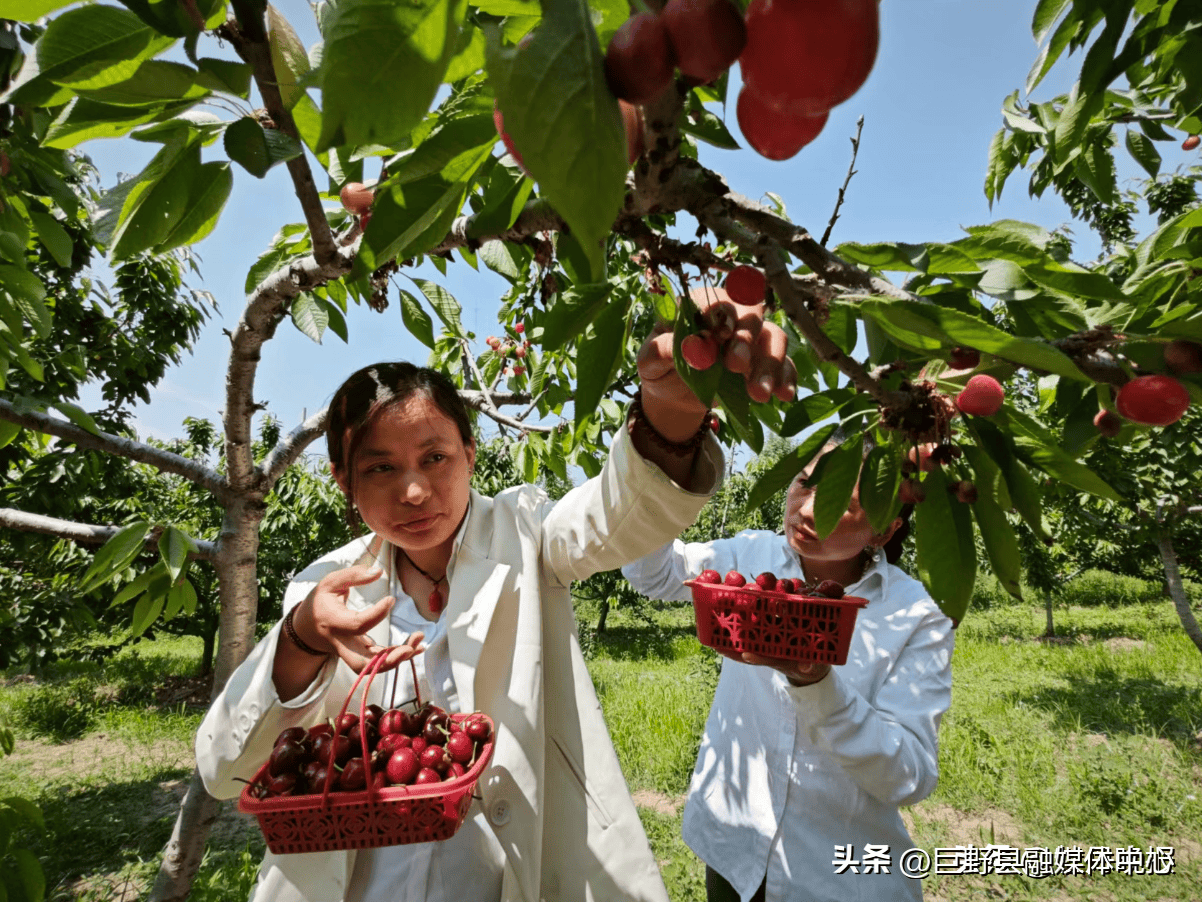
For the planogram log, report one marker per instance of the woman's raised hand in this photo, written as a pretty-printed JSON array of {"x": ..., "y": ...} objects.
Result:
[{"x": 325, "y": 622}]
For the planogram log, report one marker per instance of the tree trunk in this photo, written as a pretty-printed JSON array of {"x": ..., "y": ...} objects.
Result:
[
  {"x": 239, "y": 598},
  {"x": 1172, "y": 576},
  {"x": 603, "y": 615},
  {"x": 1050, "y": 630},
  {"x": 210, "y": 644}
]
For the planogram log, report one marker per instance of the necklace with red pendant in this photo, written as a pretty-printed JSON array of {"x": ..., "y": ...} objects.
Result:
[{"x": 435, "y": 600}]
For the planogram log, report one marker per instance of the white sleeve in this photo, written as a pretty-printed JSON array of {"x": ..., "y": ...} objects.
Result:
[
  {"x": 238, "y": 731},
  {"x": 661, "y": 574},
  {"x": 889, "y": 746}
]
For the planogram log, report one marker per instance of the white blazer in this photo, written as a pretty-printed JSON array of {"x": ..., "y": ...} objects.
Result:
[{"x": 554, "y": 792}]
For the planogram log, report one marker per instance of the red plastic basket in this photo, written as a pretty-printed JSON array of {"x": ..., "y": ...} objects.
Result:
[
  {"x": 392, "y": 816},
  {"x": 734, "y": 620}
]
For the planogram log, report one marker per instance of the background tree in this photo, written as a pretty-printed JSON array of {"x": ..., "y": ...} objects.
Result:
[{"x": 593, "y": 258}]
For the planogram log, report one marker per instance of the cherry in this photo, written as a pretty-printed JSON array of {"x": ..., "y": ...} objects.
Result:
[
  {"x": 766, "y": 581},
  {"x": 519, "y": 328},
  {"x": 460, "y": 747},
  {"x": 435, "y": 733},
  {"x": 402, "y": 767},
  {"x": 373, "y": 715},
  {"x": 772, "y": 132},
  {"x": 455, "y": 770},
  {"x": 1191, "y": 142},
  {"x": 478, "y": 729},
  {"x": 1153, "y": 400},
  {"x": 787, "y": 584},
  {"x": 1183, "y": 357},
  {"x": 293, "y": 734},
  {"x": 392, "y": 721},
  {"x": 353, "y": 776},
  {"x": 707, "y": 36},
  {"x": 281, "y": 784},
  {"x": 356, "y": 198},
  {"x": 746, "y": 285},
  {"x": 518, "y": 370},
  {"x": 427, "y": 775},
  {"x": 344, "y": 723},
  {"x": 309, "y": 771},
  {"x": 1108, "y": 423},
  {"x": 709, "y": 576},
  {"x": 700, "y": 351},
  {"x": 639, "y": 62},
  {"x": 419, "y": 744},
  {"x": 390, "y": 742},
  {"x": 436, "y": 758},
  {"x": 829, "y": 588},
  {"x": 966, "y": 491},
  {"x": 320, "y": 729},
  {"x": 965, "y": 358},
  {"x": 493, "y": 342},
  {"x": 807, "y": 56},
  {"x": 519, "y": 352},
  {"x": 982, "y": 396},
  {"x": 285, "y": 758},
  {"x": 715, "y": 424},
  {"x": 735, "y": 578}
]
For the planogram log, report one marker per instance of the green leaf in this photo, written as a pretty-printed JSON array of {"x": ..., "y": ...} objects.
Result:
[
  {"x": 95, "y": 45},
  {"x": 573, "y": 312},
  {"x": 207, "y": 194},
  {"x": 289, "y": 59},
  {"x": 444, "y": 304},
  {"x": 1143, "y": 151},
  {"x": 53, "y": 237},
  {"x": 310, "y": 316},
  {"x": 780, "y": 474},
  {"x": 1046, "y": 14},
  {"x": 158, "y": 201},
  {"x": 1001, "y": 545},
  {"x": 76, "y": 415},
  {"x": 174, "y": 547},
  {"x": 880, "y": 480},
  {"x": 813, "y": 408},
  {"x": 115, "y": 555},
  {"x": 1036, "y": 445},
  {"x": 500, "y": 212},
  {"x": 946, "y": 554},
  {"x": 597, "y": 359},
  {"x": 32, "y": 10},
  {"x": 146, "y": 612},
  {"x": 562, "y": 117},
  {"x": 29, "y": 871},
  {"x": 27, "y": 293},
  {"x": 258, "y": 149},
  {"x": 371, "y": 47},
  {"x": 225, "y": 76},
  {"x": 411, "y": 219},
  {"x": 155, "y": 578},
  {"x": 83, "y": 119},
  {"x": 416, "y": 320},
  {"x": 154, "y": 83},
  {"x": 839, "y": 478},
  {"x": 1020, "y": 486},
  {"x": 181, "y": 597},
  {"x": 8, "y": 431},
  {"x": 26, "y": 809},
  {"x": 705, "y": 126}
]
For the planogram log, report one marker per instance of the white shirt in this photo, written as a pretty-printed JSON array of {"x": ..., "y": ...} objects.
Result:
[
  {"x": 786, "y": 773},
  {"x": 470, "y": 864}
]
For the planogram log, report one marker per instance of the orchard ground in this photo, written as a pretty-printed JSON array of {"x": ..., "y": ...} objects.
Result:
[{"x": 1092, "y": 738}]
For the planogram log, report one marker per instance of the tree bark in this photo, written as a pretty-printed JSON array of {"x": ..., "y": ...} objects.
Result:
[
  {"x": 1172, "y": 576},
  {"x": 184, "y": 851},
  {"x": 1050, "y": 629}
]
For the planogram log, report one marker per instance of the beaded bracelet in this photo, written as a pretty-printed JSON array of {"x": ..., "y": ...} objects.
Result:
[
  {"x": 688, "y": 446},
  {"x": 290, "y": 632}
]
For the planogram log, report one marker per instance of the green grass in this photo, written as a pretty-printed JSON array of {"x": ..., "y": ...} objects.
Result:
[{"x": 1092, "y": 739}]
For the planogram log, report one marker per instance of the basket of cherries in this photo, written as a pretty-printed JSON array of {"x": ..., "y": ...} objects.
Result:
[
  {"x": 382, "y": 777},
  {"x": 776, "y": 618}
]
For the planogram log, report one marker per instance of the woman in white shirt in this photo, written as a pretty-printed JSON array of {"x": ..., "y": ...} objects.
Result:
[
  {"x": 486, "y": 580},
  {"x": 799, "y": 759}
]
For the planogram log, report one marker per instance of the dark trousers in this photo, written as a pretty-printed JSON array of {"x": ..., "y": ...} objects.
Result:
[{"x": 718, "y": 890}]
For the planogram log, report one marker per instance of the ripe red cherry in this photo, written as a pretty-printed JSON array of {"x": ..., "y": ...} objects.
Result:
[
  {"x": 460, "y": 747},
  {"x": 478, "y": 729},
  {"x": 403, "y": 767},
  {"x": 356, "y": 198},
  {"x": 966, "y": 491},
  {"x": 964, "y": 358},
  {"x": 746, "y": 285},
  {"x": 809, "y": 55},
  {"x": 770, "y": 131},
  {"x": 427, "y": 775},
  {"x": 982, "y": 396},
  {"x": 499, "y": 121},
  {"x": 715, "y": 424},
  {"x": 707, "y": 36},
  {"x": 1153, "y": 400},
  {"x": 518, "y": 370},
  {"x": 766, "y": 581},
  {"x": 639, "y": 62},
  {"x": 700, "y": 351},
  {"x": 911, "y": 492},
  {"x": 1108, "y": 423},
  {"x": 829, "y": 588},
  {"x": 292, "y": 734},
  {"x": 709, "y": 576},
  {"x": 353, "y": 776},
  {"x": 1191, "y": 142},
  {"x": 519, "y": 328},
  {"x": 436, "y": 758},
  {"x": 787, "y": 584},
  {"x": 735, "y": 578}
]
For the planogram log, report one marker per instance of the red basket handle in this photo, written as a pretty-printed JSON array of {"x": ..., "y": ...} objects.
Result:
[{"x": 370, "y": 671}]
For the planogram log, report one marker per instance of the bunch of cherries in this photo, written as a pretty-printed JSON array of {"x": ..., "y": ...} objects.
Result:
[
  {"x": 405, "y": 748},
  {"x": 767, "y": 582}
]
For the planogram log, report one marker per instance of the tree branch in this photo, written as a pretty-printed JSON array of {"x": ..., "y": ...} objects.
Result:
[
  {"x": 166, "y": 461},
  {"x": 87, "y": 533},
  {"x": 250, "y": 42},
  {"x": 851, "y": 170},
  {"x": 537, "y": 216},
  {"x": 285, "y": 453}
]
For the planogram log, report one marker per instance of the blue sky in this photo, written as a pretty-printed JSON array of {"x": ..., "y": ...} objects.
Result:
[{"x": 931, "y": 106}]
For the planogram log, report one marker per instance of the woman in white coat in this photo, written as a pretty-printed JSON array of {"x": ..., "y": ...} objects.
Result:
[{"x": 485, "y": 583}]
